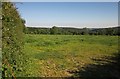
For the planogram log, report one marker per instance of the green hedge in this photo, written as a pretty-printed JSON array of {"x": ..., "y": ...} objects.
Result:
[{"x": 12, "y": 41}]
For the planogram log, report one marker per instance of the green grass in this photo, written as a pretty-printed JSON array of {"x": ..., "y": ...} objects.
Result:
[{"x": 55, "y": 55}]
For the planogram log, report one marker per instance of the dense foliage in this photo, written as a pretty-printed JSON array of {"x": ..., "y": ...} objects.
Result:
[
  {"x": 72, "y": 31},
  {"x": 12, "y": 41},
  {"x": 0, "y": 40}
]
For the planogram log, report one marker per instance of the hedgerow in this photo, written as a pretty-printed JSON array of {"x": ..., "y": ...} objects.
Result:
[{"x": 12, "y": 41}]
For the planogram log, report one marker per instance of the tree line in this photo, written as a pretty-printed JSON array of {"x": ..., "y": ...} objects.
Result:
[{"x": 72, "y": 31}]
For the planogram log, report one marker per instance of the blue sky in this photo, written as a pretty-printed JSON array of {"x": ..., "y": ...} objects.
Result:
[
  {"x": 76, "y": 14},
  {"x": 63, "y": 0}
]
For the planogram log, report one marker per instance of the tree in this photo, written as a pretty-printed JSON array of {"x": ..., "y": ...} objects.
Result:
[
  {"x": 85, "y": 31},
  {"x": 54, "y": 30}
]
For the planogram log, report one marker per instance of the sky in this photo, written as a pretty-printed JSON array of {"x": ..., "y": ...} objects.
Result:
[
  {"x": 69, "y": 14},
  {"x": 63, "y": 0}
]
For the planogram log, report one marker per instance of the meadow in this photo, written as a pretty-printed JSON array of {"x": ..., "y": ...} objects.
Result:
[{"x": 68, "y": 55}]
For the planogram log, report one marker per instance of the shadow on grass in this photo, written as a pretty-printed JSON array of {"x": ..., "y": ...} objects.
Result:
[{"x": 105, "y": 68}]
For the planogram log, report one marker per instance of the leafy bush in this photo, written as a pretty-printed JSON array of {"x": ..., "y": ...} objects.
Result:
[{"x": 12, "y": 41}]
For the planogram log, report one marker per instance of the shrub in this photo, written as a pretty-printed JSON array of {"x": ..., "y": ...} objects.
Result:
[{"x": 12, "y": 41}]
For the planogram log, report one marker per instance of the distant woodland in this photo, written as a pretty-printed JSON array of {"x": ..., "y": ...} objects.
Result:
[{"x": 72, "y": 31}]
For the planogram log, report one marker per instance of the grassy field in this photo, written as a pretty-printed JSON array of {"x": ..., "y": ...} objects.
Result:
[{"x": 67, "y": 55}]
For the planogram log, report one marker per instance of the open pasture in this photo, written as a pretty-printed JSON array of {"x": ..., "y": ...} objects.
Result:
[{"x": 67, "y": 55}]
